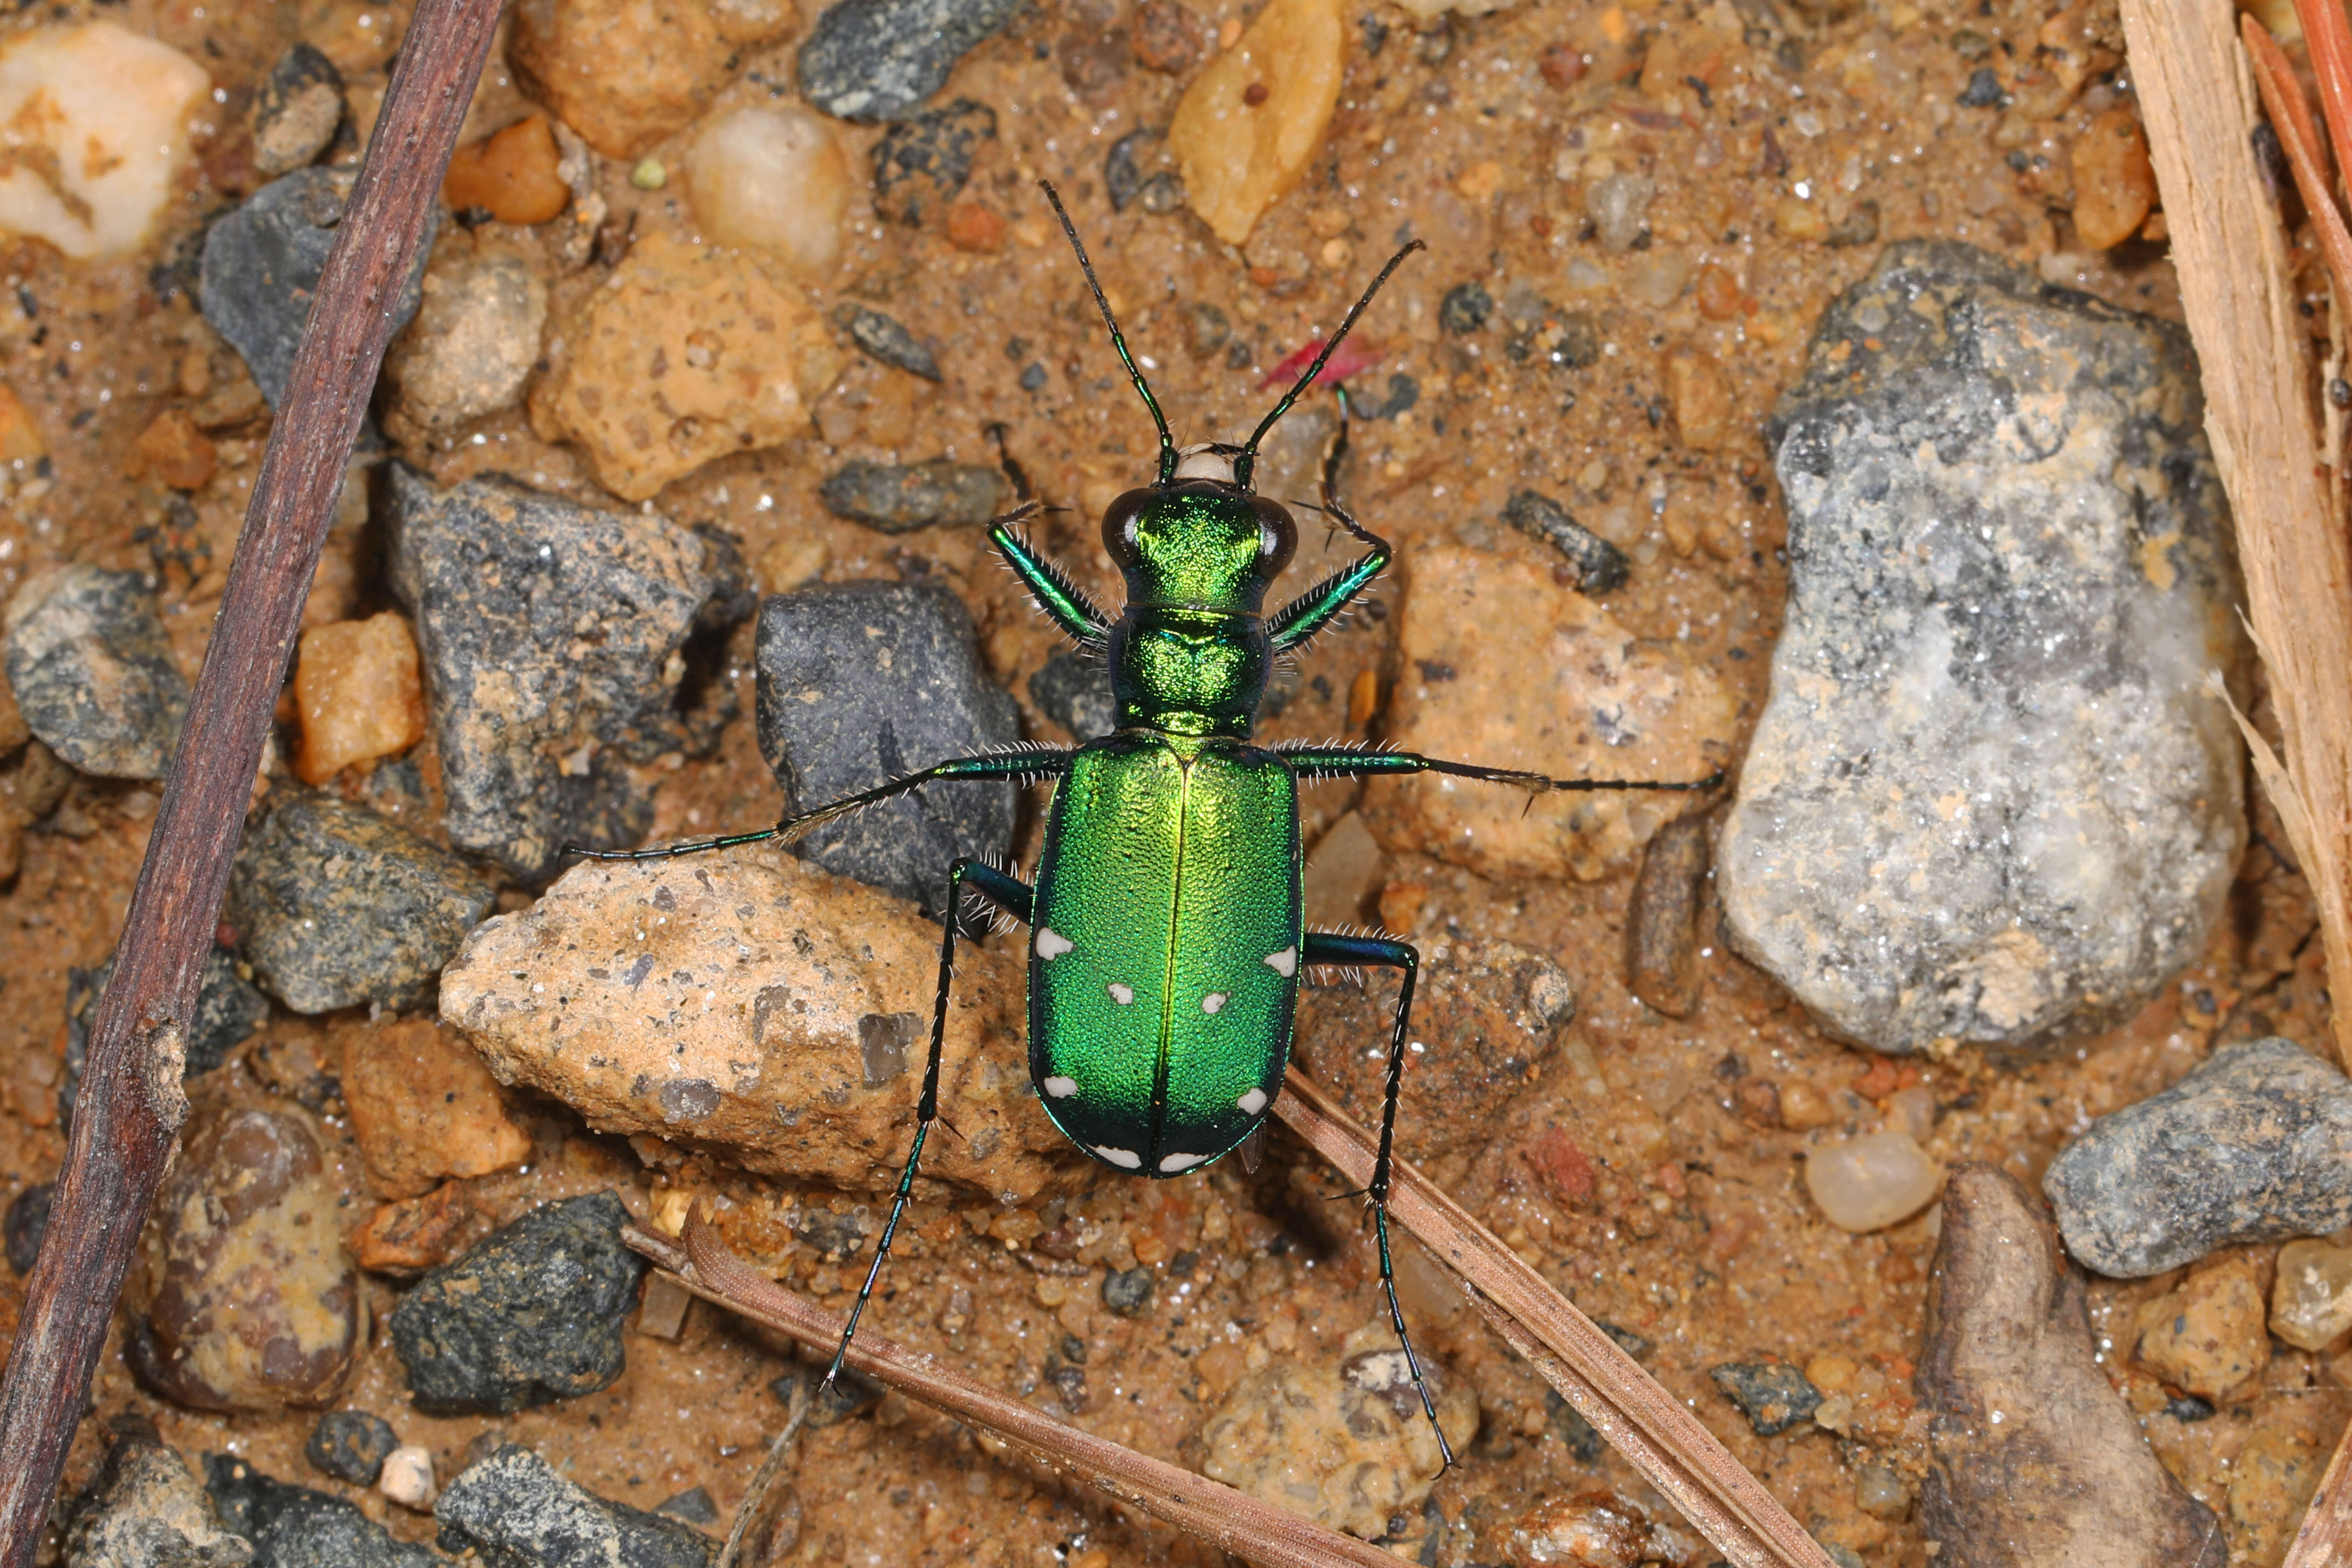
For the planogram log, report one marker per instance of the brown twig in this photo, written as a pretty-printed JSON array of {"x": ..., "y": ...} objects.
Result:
[
  {"x": 1233, "y": 1520},
  {"x": 2298, "y": 135},
  {"x": 131, "y": 1106}
]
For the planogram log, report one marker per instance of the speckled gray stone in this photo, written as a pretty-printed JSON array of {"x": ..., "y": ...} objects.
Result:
[
  {"x": 1072, "y": 688},
  {"x": 92, "y": 669},
  {"x": 876, "y": 60},
  {"x": 549, "y": 633},
  {"x": 296, "y": 111},
  {"x": 2252, "y": 1145},
  {"x": 229, "y": 1007},
  {"x": 294, "y": 1527},
  {"x": 1990, "y": 800},
  {"x": 335, "y": 906},
  {"x": 513, "y": 1509},
  {"x": 145, "y": 1509},
  {"x": 860, "y": 683},
  {"x": 899, "y": 498}
]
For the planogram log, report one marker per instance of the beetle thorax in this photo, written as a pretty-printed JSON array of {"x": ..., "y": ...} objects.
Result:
[{"x": 1190, "y": 654}]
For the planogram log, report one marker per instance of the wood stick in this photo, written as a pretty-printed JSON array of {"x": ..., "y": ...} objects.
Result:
[{"x": 128, "y": 1115}]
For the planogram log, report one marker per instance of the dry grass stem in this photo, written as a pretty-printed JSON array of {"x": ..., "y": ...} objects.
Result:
[
  {"x": 1232, "y": 1521},
  {"x": 1643, "y": 1422}
]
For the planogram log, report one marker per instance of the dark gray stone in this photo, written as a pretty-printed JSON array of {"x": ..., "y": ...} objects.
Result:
[
  {"x": 1991, "y": 800},
  {"x": 1774, "y": 1395},
  {"x": 861, "y": 683},
  {"x": 146, "y": 1510},
  {"x": 899, "y": 498},
  {"x": 1072, "y": 688},
  {"x": 26, "y": 1225},
  {"x": 294, "y": 1527},
  {"x": 1207, "y": 328},
  {"x": 2254, "y": 1144},
  {"x": 1464, "y": 308},
  {"x": 92, "y": 669},
  {"x": 1983, "y": 91},
  {"x": 513, "y": 1510},
  {"x": 262, "y": 264},
  {"x": 1632, "y": 1344},
  {"x": 886, "y": 340},
  {"x": 335, "y": 906},
  {"x": 1123, "y": 174},
  {"x": 1600, "y": 566},
  {"x": 549, "y": 633},
  {"x": 1163, "y": 193},
  {"x": 351, "y": 1445},
  {"x": 1575, "y": 1433},
  {"x": 1402, "y": 393},
  {"x": 296, "y": 111},
  {"x": 921, "y": 163},
  {"x": 875, "y": 59},
  {"x": 693, "y": 1506},
  {"x": 1127, "y": 1291},
  {"x": 229, "y": 1007},
  {"x": 532, "y": 1314}
]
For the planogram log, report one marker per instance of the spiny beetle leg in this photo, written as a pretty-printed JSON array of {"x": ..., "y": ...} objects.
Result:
[
  {"x": 1022, "y": 765},
  {"x": 1368, "y": 952},
  {"x": 1015, "y": 897},
  {"x": 1340, "y": 759}
]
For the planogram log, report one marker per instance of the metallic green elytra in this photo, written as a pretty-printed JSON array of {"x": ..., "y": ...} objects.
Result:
[{"x": 1167, "y": 939}]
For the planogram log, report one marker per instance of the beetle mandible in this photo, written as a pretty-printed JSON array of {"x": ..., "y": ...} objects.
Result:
[{"x": 1168, "y": 932}]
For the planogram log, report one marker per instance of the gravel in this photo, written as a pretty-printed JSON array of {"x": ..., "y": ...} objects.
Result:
[
  {"x": 876, "y": 60},
  {"x": 513, "y": 1510},
  {"x": 91, "y": 669}
]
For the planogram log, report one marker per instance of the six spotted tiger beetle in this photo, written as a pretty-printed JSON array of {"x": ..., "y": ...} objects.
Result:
[{"x": 1169, "y": 936}]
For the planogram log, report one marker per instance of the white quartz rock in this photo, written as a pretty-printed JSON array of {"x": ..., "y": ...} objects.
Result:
[{"x": 93, "y": 133}]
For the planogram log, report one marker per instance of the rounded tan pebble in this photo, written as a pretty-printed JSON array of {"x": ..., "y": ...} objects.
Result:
[
  {"x": 1246, "y": 127},
  {"x": 1869, "y": 1182},
  {"x": 423, "y": 1107},
  {"x": 2114, "y": 186},
  {"x": 98, "y": 124},
  {"x": 2208, "y": 1336},
  {"x": 510, "y": 173},
  {"x": 357, "y": 691},
  {"x": 2311, "y": 1302},
  {"x": 773, "y": 176},
  {"x": 407, "y": 1478},
  {"x": 1800, "y": 219}
]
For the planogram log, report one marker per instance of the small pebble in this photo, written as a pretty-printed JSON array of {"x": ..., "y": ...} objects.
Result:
[
  {"x": 406, "y": 1237},
  {"x": 2115, "y": 185},
  {"x": 649, "y": 174},
  {"x": 1122, "y": 173},
  {"x": 176, "y": 452},
  {"x": 514, "y": 175},
  {"x": 296, "y": 111},
  {"x": 1983, "y": 91},
  {"x": 407, "y": 1478},
  {"x": 1706, "y": 414},
  {"x": 229, "y": 1008},
  {"x": 512, "y": 1508},
  {"x": 626, "y": 77},
  {"x": 93, "y": 671},
  {"x": 351, "y": 1445},
  {"x": 423, "y": 1107},
  {"x": 98, "y": 119},
  {"x": 1575, "y": 1433},
  {"x": 1594, "y": 1530},
  {"x": 1600, "y": 566},
  {"x": 922, "y": 163},
  {"x": 877, "y": 59},
  {"x": 1464, "y": 308},
  {"x": 357, "y": 695},
  {"x": 1253, "y": 118},
  {"x": 2210, "y": 1336},
  {"x": 145, "y": 1509},
  {"x": 1661, "y": 920},
  {"x": 1167, "y": 36},
  {"x": 899, "y": 498},
  {"x": 693, "y": 1505},
  {"x": 1619, "y": 206},
  {"x": 1073, "y": 689},
  {"x": 883, "y": 339},
  {"x": 974, "y": 226},
  {"x": 1881, "y": 1492},
  {"x": 26, "y": 1223},
  {"x": 1127, "y": 1290},
  {"x": 294, "y": 1527},
  {"x": 1871, "y": 1182},
  {"x": 2311, "y": 1298},
  {"x": 1773, "y": 1395}
]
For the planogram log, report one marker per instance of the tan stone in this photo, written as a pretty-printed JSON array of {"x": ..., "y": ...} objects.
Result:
[
  {"x": 625, "y": 74},
  {"x": 423, "y": 1107},
  {"x": 409, "y": 1235},
  {"x": 1504, "y": 666},
  {"x": 751, "y": 1006},
  {"x": 2271, "y": 1484},
  {"x": 1706, "y": 413},
  {"x": 2114, "y": 186},
  {"x": 2208, "y": 1337},
  {"x": 358, "y": 694},
  {"x": 510, "y": 173},
  {"x": 176, "y": 453},
  {"x": 685, "y": 354},
  {"x": 1252, "y": 120},
  {"x": 20, "y": 438}
]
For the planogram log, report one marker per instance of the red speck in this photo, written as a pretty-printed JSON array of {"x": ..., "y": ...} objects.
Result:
[
  {"x": 1562, "y": 65},
  {"x": 1255, "y": 94},
  {"x": 1877, "y": 1083},
  {"x": 1354, "y": 355},
  {"x": 224, "y": 935},
  {"x": 1669, "y": 1179},
  {"x": 1563, "y": 1166}
]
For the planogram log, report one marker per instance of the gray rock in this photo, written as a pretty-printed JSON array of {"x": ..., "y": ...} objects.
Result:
[
  {"x": 472, "y": 346},
  {"x": 533, "y": 1314},
  {"x": 2064, "y": 1475},
  {"x": 1464, "y": 308},
  {"x": 886, "y": 340},
  {"x": 693, "y": 1506},
  {"x": 228, "y": 1009},
  {"x": 1123, "y": 174},
  {"x": 1773, "y": 1395},
  {"x": 1600, "y": 566},
  {"x": 294, "y": 1527},
  {"x": 27, "y": 1224},
  {"x": 1990, "y": 800},
  {"x": 296, "y": 111},
  {"x": 1128, "y": 1291},
  {"x": 860, "y": 683},
  {"x": 1072, "y": 688},
  {"x": 922, "y": 162},
  {"x": 899, "y": 498},
  {"x": 262, "y": 263},
  {"x": 351, "y": 1445},
  {"x": 145, "y": 1509},
  {"x": 2254, "y": 1145},
  {"x": 335, "y": 906},
  {"x": 513, "y": 1510},
  {"x": 92, "y": 669},
  {"x": 875, "y": 59},
  {"x": 549, "y": 633}
]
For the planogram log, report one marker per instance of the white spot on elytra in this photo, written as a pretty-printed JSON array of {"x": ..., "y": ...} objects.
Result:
[
  {"x": 1285, "y": 963},
  {"x": 1212, "y": 1001},
  {"x": 1253, "y": 1103},
  {"x": 1124, "y": 1159},
  {"x": 1061, "y": 1088},
  {"x": 1052, "y": 944},
  {"x": 1122, "y": 995},
  {"x": 1181, "y": 1161}
]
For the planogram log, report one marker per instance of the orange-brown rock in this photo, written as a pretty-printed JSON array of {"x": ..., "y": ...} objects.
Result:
[
  {"x": 409, "y": 1235},
  {"x": 511, "y": 173},
  {"x": 625, "y": 74},
  {"x": 20, "y": 438},
  {"x": 178, "y": 453},
  {"x": 423, "y": 1107},
  {"x": 358, "y": 695}
]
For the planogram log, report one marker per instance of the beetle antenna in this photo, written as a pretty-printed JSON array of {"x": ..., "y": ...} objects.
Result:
[
  {"x": 1248, "y": 458},
  {"x": 1118, "y": 339}
]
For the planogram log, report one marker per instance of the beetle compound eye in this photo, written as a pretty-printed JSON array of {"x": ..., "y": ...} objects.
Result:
[
  {"x": 1123, "y": 525},
  {"x": 1278, "y": 537}
]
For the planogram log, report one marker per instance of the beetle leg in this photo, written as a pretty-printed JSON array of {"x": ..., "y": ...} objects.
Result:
[
  {"x": 1023, "y": 764},
  {"x": 1048, "y": 581},
  {"x": 1333, "y": 948},
  {"x": 1016, "y": 896},
  {"x": 1313, "y": 760}
]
